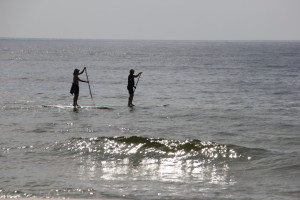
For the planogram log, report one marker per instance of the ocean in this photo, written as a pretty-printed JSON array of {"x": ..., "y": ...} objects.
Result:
[{"x": 212, "y": 120}]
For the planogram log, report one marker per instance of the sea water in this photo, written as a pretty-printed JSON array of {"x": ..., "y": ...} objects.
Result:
[{"x": 213, "y": 120}]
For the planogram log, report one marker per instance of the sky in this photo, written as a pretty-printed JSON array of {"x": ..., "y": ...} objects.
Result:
[{"x": 151, "y": 19}]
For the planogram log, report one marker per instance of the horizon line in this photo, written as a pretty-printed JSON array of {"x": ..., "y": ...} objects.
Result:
[{"x": 187, "y": 40}]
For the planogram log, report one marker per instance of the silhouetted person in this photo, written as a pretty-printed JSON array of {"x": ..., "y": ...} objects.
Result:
[
  {"x": 75, "y": 86},
  {"x": 131, "y": 85}
]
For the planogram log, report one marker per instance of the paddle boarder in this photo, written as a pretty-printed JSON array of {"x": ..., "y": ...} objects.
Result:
[
  {"x": 75, "y": 85},
  {"x": 131, "y": 85}
]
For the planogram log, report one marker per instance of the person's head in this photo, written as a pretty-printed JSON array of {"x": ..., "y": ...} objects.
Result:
[
  {"x": 131, "y": 71},
  {"x": 76, "y": 71}
]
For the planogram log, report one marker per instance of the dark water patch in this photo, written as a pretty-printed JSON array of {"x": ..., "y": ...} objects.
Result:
[{"x": 275, "y": 66}]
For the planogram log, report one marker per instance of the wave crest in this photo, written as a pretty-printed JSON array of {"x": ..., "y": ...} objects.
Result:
[{"x": 150, "y": 147}]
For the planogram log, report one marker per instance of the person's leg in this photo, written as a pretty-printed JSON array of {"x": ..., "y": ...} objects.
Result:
[
  {"x": 75, "y": 100},
  {"x": 130, "y": 100}
]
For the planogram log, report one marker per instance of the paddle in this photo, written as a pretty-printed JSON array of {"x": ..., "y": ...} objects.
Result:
[
  {"x": 137, "y": 83},
  {"x": 89, "y": 86}
]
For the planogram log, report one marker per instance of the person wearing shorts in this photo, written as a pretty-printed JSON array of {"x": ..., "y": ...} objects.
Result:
[{"x": 75, "y": 86}]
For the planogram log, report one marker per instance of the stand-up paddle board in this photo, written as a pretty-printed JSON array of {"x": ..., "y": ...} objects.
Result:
[{"x": 78, "y": 107}]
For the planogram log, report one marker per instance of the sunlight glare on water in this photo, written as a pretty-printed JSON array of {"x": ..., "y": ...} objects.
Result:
[{"x": 134, "y": 158}]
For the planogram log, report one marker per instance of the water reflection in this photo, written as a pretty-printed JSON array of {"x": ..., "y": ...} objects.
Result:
[
  {"x": 164, "y": 170},
  {"x": 117, "y": 161}
]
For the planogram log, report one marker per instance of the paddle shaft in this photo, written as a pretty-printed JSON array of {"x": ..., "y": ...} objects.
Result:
[
  {"x": 137, "y": 83},
  {"x": 87, "y": 77}
]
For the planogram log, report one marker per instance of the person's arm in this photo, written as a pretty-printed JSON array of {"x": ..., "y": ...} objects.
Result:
[
  {"x": 83, "y": 80},
  {"x": 138, "y": 74},
  {"x": 82, "y": 71}
]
